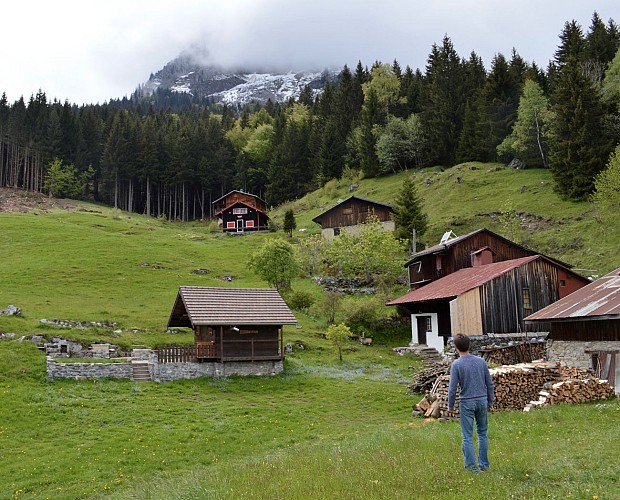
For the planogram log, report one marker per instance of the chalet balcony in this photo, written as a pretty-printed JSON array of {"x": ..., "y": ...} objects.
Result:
[{"x": 226, "y": 350}]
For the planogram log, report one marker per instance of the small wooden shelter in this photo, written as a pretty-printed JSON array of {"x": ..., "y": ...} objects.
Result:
[
  {"x": 238, "y": 211},
  {"x": 233, "y": 324},
  {"x": 348, "y": 214}
]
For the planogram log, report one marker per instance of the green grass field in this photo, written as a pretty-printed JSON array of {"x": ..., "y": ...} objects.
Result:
[{"x": 321, "y": 429}]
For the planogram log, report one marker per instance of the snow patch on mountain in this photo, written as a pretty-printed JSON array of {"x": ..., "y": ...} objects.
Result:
[
  {"x": 237, "y": 88},
  {"x": 263, "y": 86}
]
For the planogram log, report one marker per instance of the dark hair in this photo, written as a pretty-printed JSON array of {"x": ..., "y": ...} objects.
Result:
[{"x": 461, "y": 342}]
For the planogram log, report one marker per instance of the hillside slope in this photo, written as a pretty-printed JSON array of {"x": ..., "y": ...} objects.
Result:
[{"x": 519, "y": 204}]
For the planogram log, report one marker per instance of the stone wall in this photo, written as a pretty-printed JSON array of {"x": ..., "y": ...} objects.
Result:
[
  {"x": 578, "y": 354},
  {"x": 166, "y": 372},
  {"x": 87, "y": 370},
  {"x": 161, "y": 372}
]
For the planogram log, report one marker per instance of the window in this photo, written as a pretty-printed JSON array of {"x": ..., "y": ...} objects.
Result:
[
  {"x": 429, "y": 324},
  {"x": 240, "y": 211},
  {"x": 527, "y": 302},
  {"x": 336, "y": 231},
  {"x": 562, "y": 283},
  {"x": 249, "y": 223},
  {"x": 230, "y": 224}
]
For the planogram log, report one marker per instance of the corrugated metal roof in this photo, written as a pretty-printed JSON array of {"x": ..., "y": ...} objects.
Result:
[
  {"x": 599, "y": 298},
  {"x": 230, "y": 306},
  {"x": 461, "y": 281}
]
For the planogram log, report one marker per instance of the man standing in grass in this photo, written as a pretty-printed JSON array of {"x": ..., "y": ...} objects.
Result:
[{"x": 471, "y": 374}]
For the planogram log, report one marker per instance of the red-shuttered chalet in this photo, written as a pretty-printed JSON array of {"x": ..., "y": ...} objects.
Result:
[{"x": 238, "y": 211}]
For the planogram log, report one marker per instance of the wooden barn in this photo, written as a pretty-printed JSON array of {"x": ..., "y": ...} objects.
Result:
[
  {"x": 238, "y": 211},
  {"x": 459, "y": 252},
  {"x": 233, "y": 324},
  {"x": 486, "y": 298},
  {"x": 585, "y": 328},
  {"x": 347, "y": 215}
]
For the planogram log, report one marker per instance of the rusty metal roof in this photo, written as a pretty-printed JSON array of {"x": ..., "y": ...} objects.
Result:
[
  {"x": 213, "y": 306},
  {"x": 598, "y": 300},
  {"x": 461, "y": 281}
]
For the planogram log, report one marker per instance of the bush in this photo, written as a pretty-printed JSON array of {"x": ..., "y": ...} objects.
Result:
[
  {"x": 361, "y": 313},
  {"x": 300, "y": 301}
]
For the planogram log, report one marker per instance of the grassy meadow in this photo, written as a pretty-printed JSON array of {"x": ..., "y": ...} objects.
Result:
[{"x": 322, "y": 428}]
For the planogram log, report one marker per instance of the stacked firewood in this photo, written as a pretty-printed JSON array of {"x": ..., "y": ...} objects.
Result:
[
  {"x": 424, "y": 380},
  {"x": 516, "y": 386},
  {"x": 523, "y": 352},
  {"x": 572, "y": 391}
]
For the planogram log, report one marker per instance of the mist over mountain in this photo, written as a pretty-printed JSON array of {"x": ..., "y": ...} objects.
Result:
[{"x": 193, "y": 74}]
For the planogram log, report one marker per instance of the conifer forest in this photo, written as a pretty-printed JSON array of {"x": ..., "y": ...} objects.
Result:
[{"x": 170, "y": 156}]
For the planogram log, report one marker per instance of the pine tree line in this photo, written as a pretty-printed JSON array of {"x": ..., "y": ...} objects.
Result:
[{"x": 173, "y": 159}]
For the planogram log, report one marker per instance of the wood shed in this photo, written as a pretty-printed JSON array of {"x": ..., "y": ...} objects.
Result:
[{"x": 233, "y": 324}]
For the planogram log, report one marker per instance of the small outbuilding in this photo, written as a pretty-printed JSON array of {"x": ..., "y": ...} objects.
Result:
[
  {"x": 347, "y": 215},
  {"x": 488, "y": 298},
  {"x": 233, "y": 324},
  {"x": 238, "y": 211},
  {"x": 585, "y": 328}
]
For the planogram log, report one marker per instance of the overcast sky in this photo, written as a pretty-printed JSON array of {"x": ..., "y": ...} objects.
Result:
[{"x": 91, "y": 51}]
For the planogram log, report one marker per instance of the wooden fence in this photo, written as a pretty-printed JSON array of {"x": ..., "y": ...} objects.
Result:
[{"x": 185, "y": 354}]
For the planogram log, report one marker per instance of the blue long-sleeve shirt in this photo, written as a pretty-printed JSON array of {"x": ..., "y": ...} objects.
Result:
[{"x": 471, "y": 374}]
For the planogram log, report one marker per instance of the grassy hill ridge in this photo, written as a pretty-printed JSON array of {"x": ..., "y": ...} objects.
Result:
[{"x": 519, "y": 204}]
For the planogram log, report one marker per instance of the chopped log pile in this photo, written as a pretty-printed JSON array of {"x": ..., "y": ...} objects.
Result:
[
  {"x": 572, "y": 391},
  {"x": 522, "y": 352},
  {"x": 522, "y": 387},
  {"x": 424, "y": 379}
]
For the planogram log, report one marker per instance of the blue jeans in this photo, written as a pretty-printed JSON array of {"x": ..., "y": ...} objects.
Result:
[{"x": 474, "y": 410}]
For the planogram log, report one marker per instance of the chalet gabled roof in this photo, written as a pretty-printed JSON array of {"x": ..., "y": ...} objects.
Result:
[
  {"x": 597, "y": 300},
  {"x": 441, "y": 247},
  {"x": 213, "y": 306},
  {"x": 238, "y": 191},
  {"x": 318, "y": 218},
  {"x": 241, "y": 203}
]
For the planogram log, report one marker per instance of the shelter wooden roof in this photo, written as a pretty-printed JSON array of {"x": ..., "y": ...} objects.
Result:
[
  {"x": 213, "y": 306},
  {"x": 598, "y": 300}
]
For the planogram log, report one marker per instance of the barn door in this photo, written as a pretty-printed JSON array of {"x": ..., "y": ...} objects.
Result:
[{"x": 240, "y": 225}]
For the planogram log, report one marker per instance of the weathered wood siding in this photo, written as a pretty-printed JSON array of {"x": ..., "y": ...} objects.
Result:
[
  {"x": 250, "y": 341},
  {"x": 465, "y": 313},
  {"x": 352, "y": 212},
  {"x": 502, "y": 298},
  {"x": 246, "y": 198},
  {"x": 586, "y": 330},
  {"x": 258, "y": 219},
  {"x": 459, "y": 256}
]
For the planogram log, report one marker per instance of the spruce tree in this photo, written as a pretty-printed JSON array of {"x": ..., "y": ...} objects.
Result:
[
  {"x": 289, "y": 222},
  {"x": 579, "y": 145},
  {"x": 408, "y": 212}
]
